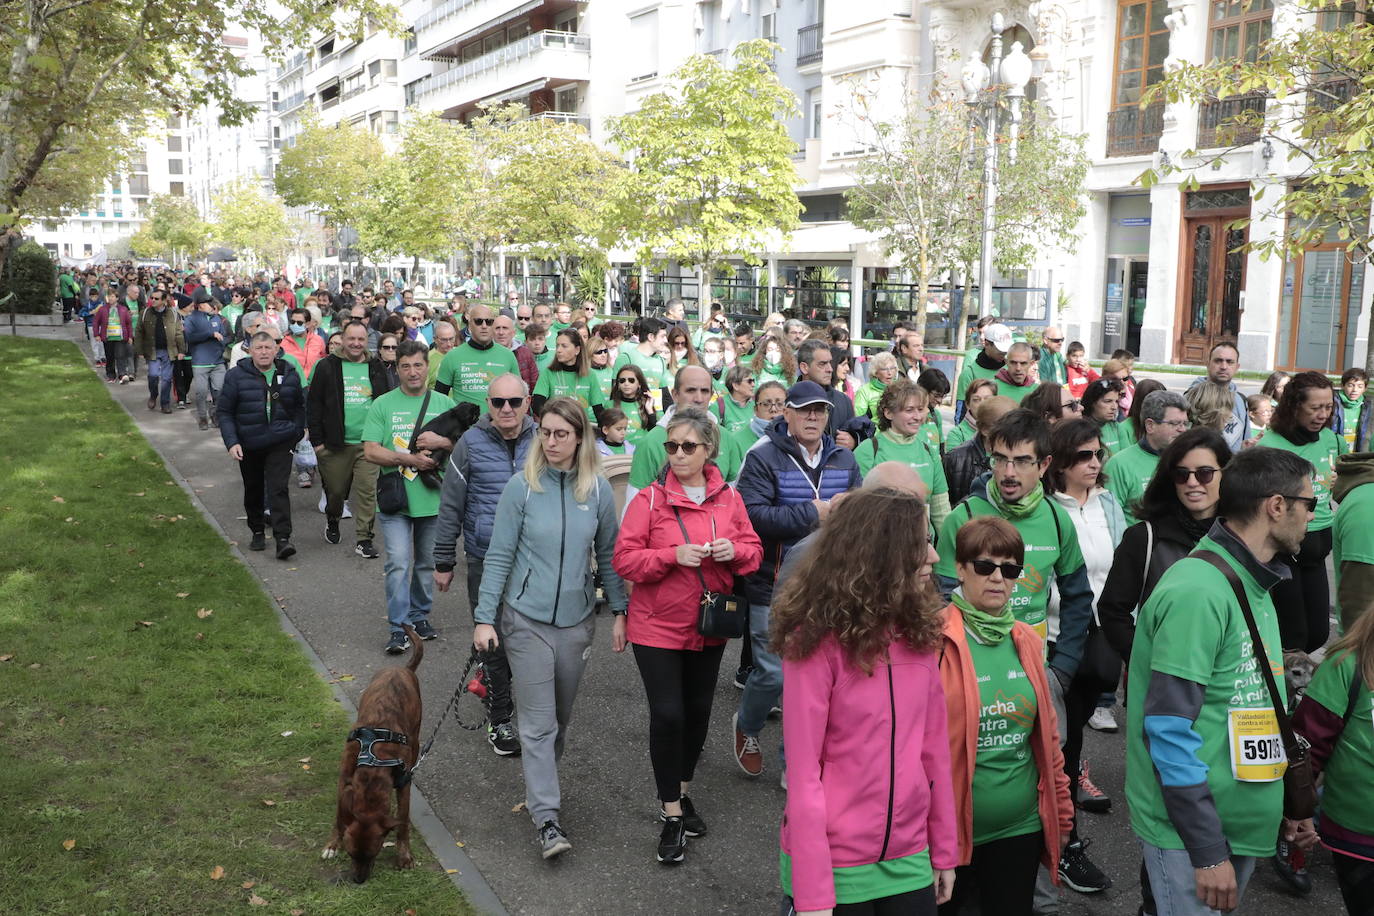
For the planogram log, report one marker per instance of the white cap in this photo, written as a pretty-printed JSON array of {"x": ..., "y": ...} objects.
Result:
[{"x": 999, "y": 335}]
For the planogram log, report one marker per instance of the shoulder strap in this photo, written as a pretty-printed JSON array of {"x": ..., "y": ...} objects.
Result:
[
  {"x": 419, "y": 420},
  {"x": 686, "y": 539},
  {"x": 1256, "y": 643},
  {"x": 1149, "y": 554},
  {"x": 874, "y": 440}
]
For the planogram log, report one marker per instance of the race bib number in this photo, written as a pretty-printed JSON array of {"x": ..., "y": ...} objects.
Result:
[
  {"x": 1257, "y": 753},
  {"x": 402, "y": 444}
]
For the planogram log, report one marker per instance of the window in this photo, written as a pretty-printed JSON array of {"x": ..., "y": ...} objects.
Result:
[
  {"x": 813, "y": 113},
  {"x": 410, "y": 43},
  {"x": 1142, "y": 45},
  {"x": 173, "y": 166},
  {"x": 643, "y": 46},
  {"x": 174, "y": 144},
  {"x": 1238, "y": 28},
  {"x": 175, "y": 188},
  {"x": 768, "y": 26},
  {"x": 86, "y": 250},
  {"x": 391, "y": 122}
]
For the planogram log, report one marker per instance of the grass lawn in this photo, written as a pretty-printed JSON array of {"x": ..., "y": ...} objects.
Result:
[{"x": 145, "y": 742}]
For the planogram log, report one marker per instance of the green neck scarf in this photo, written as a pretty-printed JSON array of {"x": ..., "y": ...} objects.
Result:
[
  {"x": 987, "y": 629},
  {"x": 1022, "y": 508},
  {"x": 1345, "y": 401},
  {"x": 891, "y": 433}
]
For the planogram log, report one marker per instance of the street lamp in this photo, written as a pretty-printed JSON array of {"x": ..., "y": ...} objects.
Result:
[{"x": 985, "y": 89}]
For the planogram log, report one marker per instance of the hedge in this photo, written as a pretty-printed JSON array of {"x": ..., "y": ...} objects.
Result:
[{"x": 32, "y": 276}]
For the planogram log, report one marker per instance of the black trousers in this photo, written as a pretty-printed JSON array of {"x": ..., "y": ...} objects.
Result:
[
  {"x": 1304, "y": 601},
  {"x": 1356, "y": 878},
  {"x": 912, "y": 903},
  {"x": 1002, "y": 875},
  {"x": 117, "y": 359},
  {"x": 498, "y": 701},
  {"x": 182, "y": 377},
  {"x": 680, "y": 685},
  {"x": 265, "y": 475}
]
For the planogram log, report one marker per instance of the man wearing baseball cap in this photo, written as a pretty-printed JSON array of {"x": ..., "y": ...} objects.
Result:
[
  {"x": 997, "y": 341},
  {"x": 788, "y": 482}
]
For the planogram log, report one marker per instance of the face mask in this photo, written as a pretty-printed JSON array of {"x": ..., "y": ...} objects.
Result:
[
  {"x": 297, "y": 329},
  {"x": 712, "y": 360}
]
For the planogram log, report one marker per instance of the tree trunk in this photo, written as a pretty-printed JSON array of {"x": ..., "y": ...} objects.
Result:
[{"x": 922, "y": 293}]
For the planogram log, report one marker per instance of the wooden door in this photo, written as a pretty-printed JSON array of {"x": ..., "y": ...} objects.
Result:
[{"x": 1212, "y": 280}]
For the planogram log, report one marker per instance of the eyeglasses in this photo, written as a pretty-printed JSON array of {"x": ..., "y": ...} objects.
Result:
[
  {"x": 387, "y": 347},
  {"x": 1309, "y": 501},
  {"x": 502, "y": 403},
  {"x": 1020, "y": 462},
  {"x": 772, "y": 404},
  {"x": 1010, "y": 571},
  {"x": 1176, "y": 424},
  {"x": 482, "y": 321},
  {"x": 1083, "y": 455},
  {"x": 1075, "y": 405},
  {"x": 558, "y": 435},
  {"x": 1054, "y": 340},
  {"x": 688, "y": 448},
  {"x": 1204, "y": 475}
]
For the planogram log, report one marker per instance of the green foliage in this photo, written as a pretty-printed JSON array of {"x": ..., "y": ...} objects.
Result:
[
  {"x": 589, "y": 284},
  {"x": 329, "y": 169},
  {"x": 251, "y": 222},
  {"x": 175, "y": 225},
  {"x": 32, "y": 277},
  {"x": 711, "y": 174}
]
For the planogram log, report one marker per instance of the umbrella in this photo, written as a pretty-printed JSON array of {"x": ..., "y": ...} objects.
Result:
[{"x": 222, "y": 254}]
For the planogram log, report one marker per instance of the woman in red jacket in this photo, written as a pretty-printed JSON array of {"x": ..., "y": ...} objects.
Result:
[
  {"x": 685, "y": 526},
  {"x": 1010, "y": 789}
]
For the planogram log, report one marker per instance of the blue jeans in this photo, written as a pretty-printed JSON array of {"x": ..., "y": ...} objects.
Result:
[
  {"x": 1174, "y": 884},
  {"x": 160, "y": 378},
  {"x": 763, "y": 690},
  {"x": 409, "y": 567}
]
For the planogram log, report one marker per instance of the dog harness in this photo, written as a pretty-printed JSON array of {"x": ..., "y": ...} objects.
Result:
[{"x": 366, "y": 737}]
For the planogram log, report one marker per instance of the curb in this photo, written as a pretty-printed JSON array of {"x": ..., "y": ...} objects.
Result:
[{"x": 462, "y": 871}]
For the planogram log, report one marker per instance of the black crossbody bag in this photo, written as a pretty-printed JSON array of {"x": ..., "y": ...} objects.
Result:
[
  {"x": 391, "y": 487},
  {"x": 721, "y": 615}
]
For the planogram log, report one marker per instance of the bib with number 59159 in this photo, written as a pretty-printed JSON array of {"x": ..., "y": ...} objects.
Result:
[{"x": 1257, "y": 753}]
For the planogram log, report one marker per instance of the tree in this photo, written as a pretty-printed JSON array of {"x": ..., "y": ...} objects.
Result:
[
  {"x": 1318, "y": 75},
  {"x": 711, "y": 174},
  {"x": 175, "y": 223},
  {"x": 251, "y": 222},
  {"x": 84, "y": 79},
  {"x": 329, "y": 169}
]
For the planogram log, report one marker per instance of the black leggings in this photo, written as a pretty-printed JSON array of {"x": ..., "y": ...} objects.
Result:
[
  {"x": 1304, "y": 601},
  {"x": 680, "y": 685},
  {"x": 1002, "y": 875},
  {"x": 1356, "y": 877},
  {"x": 912, "y": 903}
]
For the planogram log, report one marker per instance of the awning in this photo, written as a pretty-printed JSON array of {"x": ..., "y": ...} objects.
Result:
[{"x": 482, "y": 29}]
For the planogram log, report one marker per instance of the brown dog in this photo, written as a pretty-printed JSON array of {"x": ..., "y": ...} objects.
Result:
[{"x": 388, "y": 729}]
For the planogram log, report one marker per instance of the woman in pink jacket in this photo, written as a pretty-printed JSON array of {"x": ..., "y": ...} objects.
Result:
[
  {"x": 684, "y": 528},
  {"x": 869, "y": 825}
]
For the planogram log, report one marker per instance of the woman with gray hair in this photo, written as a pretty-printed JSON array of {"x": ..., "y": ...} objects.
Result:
[
  {"x": 684, "y": 534},
  {"x": 883, "y": 368}
]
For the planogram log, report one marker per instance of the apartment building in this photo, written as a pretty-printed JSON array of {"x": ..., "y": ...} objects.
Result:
[{"x": 220, "y": 155}]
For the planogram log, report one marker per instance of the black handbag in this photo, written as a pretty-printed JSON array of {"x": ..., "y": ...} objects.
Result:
[
  {"x": 391, "y": 486},
  {"x": 1099, "y": 671},
  {"x": 1299, "y": 785},
  {"x": 722, "y": 616}
]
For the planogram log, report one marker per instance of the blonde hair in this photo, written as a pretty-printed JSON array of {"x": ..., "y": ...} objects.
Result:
[
  {"x": 1210, "y": 405},
  {"x": 586, "y": 470},
  {"x": 1359, "y": 641}
]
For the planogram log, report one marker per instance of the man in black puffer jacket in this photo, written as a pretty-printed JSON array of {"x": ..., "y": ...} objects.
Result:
[
  {"x": 261, "y": 418},
  {"x": 965, "y": 463}
]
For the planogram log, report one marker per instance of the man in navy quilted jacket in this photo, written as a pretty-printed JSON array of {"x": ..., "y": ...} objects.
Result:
[{"x": 788, "y": 480}]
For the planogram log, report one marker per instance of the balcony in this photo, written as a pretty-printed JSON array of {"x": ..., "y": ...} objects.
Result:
[
  {"x": 562, "y": 117},
  {"x": 294, "y": 62},
  {"x": 1217, "y": 120},
  {"x": 543, "y": 59},
  {"x": 440, "y": 31},
  {"x": 291, "y": 102},
  {"x": 809, "y": 44},
  {"x": 1134, "y": 131}
]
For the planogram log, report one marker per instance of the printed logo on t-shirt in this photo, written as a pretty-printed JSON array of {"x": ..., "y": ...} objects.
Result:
[{"x": 996, "y": 719}]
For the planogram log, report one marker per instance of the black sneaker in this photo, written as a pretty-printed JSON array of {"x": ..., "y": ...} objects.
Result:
[
  {"x": 366, "y": 550},
  {"x": 742, "y": 676},
  {"x": 398, "y": 643},
  {"x": 1291, "y": 864},
  {"x": 1078, "y": 872},
  {"x": 424, "y": 629},
  {"x": 691, "y": 821},
  {"x": 259, "y": 541},
  {"x": 284, "y": 549},
  {"x": 331, "y": 530},
  {"x": 503, "y": 740},
  {"x": 552, "y": 840},
  {"x": 672, "y": 842}
]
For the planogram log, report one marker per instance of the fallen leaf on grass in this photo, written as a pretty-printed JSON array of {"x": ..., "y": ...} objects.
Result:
[
  {"x": 217, "y": 873},
  {"x": 346, "y": 677},
  {"x": 410, "y": 913},
  {"x": 305, "y": 766},
  {"x": 459, "y": 843},
  {"x": 204, "y": 612},
  {"x": 200, "y": 636},
  {"x": 145, "y": 623},
  {"x": 450, "y": 871},
  {"x": 248, "y": 885},
  {"x": 35, "y": 665},
  {"x": 304, "y": 760},
  {"x": 141, "y": 493},
  {"x": 388, "y": 844},
  {"x": 267, "y": 802},
  {"x": 298, "y": 913},
  {"x": 69, "y": 845},
  {"x": 58, "y": 499},
  {"x": 183, "y": 594},
  {"x": 5, "y": 658},
  {"x": 255, "y": 900},
  {"x": 288, "y": 734}
]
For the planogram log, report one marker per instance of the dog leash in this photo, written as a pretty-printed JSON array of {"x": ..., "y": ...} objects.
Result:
[{"x": 466, "y": 684}]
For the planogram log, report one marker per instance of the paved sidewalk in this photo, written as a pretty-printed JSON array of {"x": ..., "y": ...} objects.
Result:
[{"x": 335, "y": 600}]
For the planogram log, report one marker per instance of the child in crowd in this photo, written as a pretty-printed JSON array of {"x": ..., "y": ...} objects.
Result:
[
  {"x": 1080, "y": 374},
  {"x": 86, "y": 314},
  {"x": 610, "y": 434},
  {"x": 1127, "y": 358},
  {"x": 1352, "y": 410},
  {"x": 1261, "y": 408}
]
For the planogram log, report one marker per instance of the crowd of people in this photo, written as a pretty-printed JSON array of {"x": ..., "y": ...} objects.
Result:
[{"x": 939, "y": 610}]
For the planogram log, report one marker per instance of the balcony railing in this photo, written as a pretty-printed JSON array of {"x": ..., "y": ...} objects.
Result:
[
  {"x": 440, "y": 13},
  {"x": 1217, "y": 121},
  {"x": 1329, "y": 95},
  {"x": 809, "y": 44},
  {"x": 562, "y": 117},
  {"x": 291, "y": 102},
  {"x": 514, "y": 51},
  {"x": 291, "y": 63},
  {"x": 1135, "y": 131},
  {"x": 356, "y": 90}
]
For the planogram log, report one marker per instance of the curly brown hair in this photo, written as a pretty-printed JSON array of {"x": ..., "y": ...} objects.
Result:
[
  {"x": 895, "y": 396},
  {"x": 875, "y": 596}
]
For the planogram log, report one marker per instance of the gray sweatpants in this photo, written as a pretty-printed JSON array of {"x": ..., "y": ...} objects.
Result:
[{"x": 546, "y": 664}]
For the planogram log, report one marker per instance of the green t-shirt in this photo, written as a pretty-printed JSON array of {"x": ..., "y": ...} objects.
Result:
[
  {"x": 1129, "y": 472},
  {"x": 1191, "y": 628},
  {"x": 585, "y": 389},
  {"x": 772, "y": 372},
  {"x": 650, "y": 456},
  {"x": 1116, "y": 436},
  {"x": 736, "y": 417},
  {"x": 958, "y": 435},
  {"x": 391, "y": 420},
  {"x": 635, "y": 432},
  {"x": 916, "y": 454},
  {"x": 605, "y": 378},
  {"x": 1016, "y": 392},
  {"x": 469, "y": 371},
  {"x": 295, "y": 364},
  {"x": 1349, "y": 795},
  {"x": 654, "y": 367},
  {"x": 231, "y": 315},
  {"x": 270, "y": 373},
  {"x": 1005, "y": 798},
  {"x": 933, "y": 431},
  {"x": 1352, "y": 535},
  {"x": 303, "y": 294},
  {"x": 543, "y": 360},
  {"x": 1051, "y": 550},
  {"x": 1350, "y": 413},
  {"x": 357, "y": 399},
  {"x": 971, "y": 372},
  {"x": 862, "y": 883},
  {"x": 1322, "y": 454}
]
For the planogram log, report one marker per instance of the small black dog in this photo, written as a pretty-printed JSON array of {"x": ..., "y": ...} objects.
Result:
[{"x": 451, "y": 424}]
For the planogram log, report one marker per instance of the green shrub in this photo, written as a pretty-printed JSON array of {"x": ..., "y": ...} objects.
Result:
[{"x": 31, "y": 275}]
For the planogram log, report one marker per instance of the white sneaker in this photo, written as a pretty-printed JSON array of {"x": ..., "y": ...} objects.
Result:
[{"x": 1102, "y": 720}]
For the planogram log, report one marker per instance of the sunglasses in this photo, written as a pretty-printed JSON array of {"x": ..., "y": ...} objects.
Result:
[
  {"x": 1010, "y": 571},
  {"x": 1054, "y": 340},
  {"x": 501, "y": 403},
  {"x": 1309, "y": 501},
  {"x": 627, "y": 380},
  {"x": 688, "y": 448},
  {"x": 602, "y": 352},
  {"x": 482, "y": 321},
  {"x": 1204, "y": 475},
  {"x": 1100, "y": 454},
  {"x": 387, "y": 347}
]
